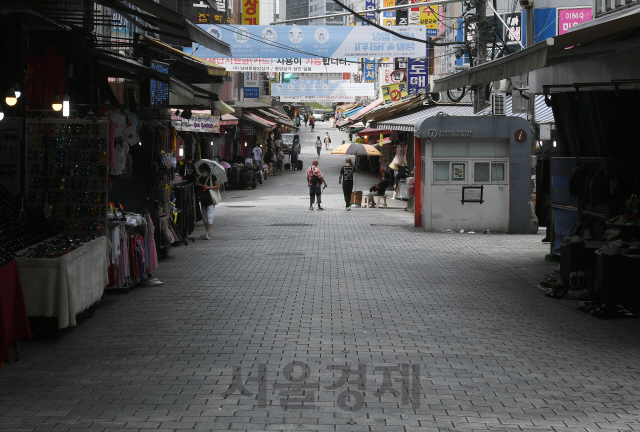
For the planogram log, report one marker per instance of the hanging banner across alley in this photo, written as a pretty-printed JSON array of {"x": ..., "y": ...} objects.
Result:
[
  {"x": 330, "y": 41},
  {"x": 321, "y": 88},
  {"x": 292, "y": 64}
]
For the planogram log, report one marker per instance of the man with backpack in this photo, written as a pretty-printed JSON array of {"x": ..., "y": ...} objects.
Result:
[{"x": 315, "y": 181}]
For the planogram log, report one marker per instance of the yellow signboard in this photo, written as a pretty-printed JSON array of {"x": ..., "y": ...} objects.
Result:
[
  {"x": 250, "y": 12},
  {"x": 394, "y": 92},
  {"x": 429, "y": 17}
]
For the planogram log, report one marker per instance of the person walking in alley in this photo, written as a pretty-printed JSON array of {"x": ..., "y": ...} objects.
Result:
[
  {"x": 315, "y": 181},
  {"x": 346, "y": 179},
  {"x": 280, "y": 159},
  {"x": 318, "y": 145},
  {"x": 206, "y": 182},
  {"x": 327, "y": 140}
]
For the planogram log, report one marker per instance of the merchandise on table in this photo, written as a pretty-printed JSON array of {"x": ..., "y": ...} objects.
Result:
[{"x": 57, "y": 246}]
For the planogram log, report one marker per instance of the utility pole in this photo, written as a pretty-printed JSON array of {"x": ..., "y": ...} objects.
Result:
[
  {"x": 530, "y": 22},
  {"x": 481, "y": 51}
]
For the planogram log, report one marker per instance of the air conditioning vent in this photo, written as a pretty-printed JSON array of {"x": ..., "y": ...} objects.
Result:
[{"x": 498, "y": 104}]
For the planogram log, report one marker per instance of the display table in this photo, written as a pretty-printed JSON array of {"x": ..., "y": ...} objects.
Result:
[
  {"x": 63, "y": 287},
  {"x": 13, "y": 314}
]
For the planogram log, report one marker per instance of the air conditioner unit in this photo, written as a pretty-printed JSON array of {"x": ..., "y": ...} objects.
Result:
[{"x": 498, "y": 104}]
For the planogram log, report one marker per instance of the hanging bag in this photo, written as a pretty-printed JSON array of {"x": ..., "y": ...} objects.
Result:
[{"x": 214, "y": 193}]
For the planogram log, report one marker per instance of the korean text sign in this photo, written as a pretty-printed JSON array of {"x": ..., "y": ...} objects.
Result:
[
  {"x": 322, "y": 41},
  {"x": 250, "y": 12}
]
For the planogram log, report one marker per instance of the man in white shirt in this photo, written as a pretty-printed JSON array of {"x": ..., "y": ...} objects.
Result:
[{"x": 257, "y": 155}]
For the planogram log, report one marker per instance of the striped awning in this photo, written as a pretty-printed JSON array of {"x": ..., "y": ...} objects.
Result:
[
  {"x": 407, "y": 123},
  {"x": 228, "y": 120},
  {"x": 352, "y": 111},
  {"x": 543, "y": 113},
  {"x": 252, "y": 118}
]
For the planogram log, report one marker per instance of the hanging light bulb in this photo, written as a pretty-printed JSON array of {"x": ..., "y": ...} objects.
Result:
[
  {"x": 16, "y": 89},
  {"x": 11, "y": 98},
  {"x": 65, "y": 105},
  {"x": 57, "y": 103},
  {"x": 1, "y": 113}
]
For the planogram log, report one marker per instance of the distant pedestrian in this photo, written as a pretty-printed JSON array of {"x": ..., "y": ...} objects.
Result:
[
  {"x": 318, "y": 146},
  {"x": 280, "y": 159},
  {"x": 315, "y": 181},
  {"x": 346, "y": 179},
  {"x": 257, "y": 156},
  {"x": 293, "y": 158},
  {"x": 327, "y": 140}
]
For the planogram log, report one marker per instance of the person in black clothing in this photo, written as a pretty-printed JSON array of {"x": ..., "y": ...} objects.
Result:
[
  {"x": 269, "y": 158},
  {"x": 346, "y": 179},
  {"x": 206, "y": 182},
  {"x": 293, "y": 158},
  {"x": 378, "y": 189}
]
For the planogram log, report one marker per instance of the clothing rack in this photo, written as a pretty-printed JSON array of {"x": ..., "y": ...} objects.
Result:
[{"x": 185, "y": 202}]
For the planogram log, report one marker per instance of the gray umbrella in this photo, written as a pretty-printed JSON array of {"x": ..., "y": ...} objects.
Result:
[{"x": 216, "y": 169}]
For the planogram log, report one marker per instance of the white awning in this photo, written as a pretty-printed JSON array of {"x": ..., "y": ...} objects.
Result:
[
  {"x": 543, "y": 113},
  {"x": 408, "y": 122}
]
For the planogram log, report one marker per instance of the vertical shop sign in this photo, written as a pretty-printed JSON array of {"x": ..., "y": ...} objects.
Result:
[
  {"x": 371, "y": 16},
  {"x": 417, "y": 76},
  {"x": 346, "y": 76},
  {"x": 251, "y": 85},
  {"x": 369, "y": 70},
  {"x": 429, "y": 17},
  {"x": 567, "y": 18},
  {"x": 514, "y": 22},
  {"x": 250, "y": 12},
  {"x": 414, "y": 14},
  {"x": 402, "y": 15},
  {"x": 388, "y": 17}
]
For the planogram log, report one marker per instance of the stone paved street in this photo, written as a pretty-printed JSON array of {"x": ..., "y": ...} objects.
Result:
[{"x": 290, "y": 319}]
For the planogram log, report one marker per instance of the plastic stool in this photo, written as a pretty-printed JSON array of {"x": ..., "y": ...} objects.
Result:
[
  {"x": 366, "y": 200},
  {"x": 382, "y": 197}
]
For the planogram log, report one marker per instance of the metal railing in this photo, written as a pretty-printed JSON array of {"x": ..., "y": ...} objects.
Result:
[{"x": 603, "y": 7}]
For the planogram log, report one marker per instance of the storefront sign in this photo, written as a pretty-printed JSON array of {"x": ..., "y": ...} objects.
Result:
[
  {"x": 291, "y": 64},
  {"x": 414, "y": 13},
  {"x": 251, "y": 85},
  {"x": 417, "y": 76},
  {"x": 397, "y": 76},
  {"x": 371, "y": 16},
  {"x": 369, "y": 70},
  {"x": 567, "y": 18},
  {"x": 329, "y": 42},
  {"x": 250, "y": 12},
  {"x": 386, "y": 69},
  {"x": 514, "y": 22},
  {"x": 159, "y": 90},
  {"x": 199, "y": 122},
  {"x": 201, "y": 12},
  {"x": 247, "y": 130},
  {"x": 448, "y": 133},
  {"x": 429, "y": 18},
  {"x": 394, "y": 92},
  {"x": 388, "y": 17},
  {"x": 402, "y": 15}
]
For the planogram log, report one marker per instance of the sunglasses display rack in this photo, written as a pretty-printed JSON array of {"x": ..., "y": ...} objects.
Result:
[
  {"x": 67, "y": 173},
  {"x": 10, "y": 165}
]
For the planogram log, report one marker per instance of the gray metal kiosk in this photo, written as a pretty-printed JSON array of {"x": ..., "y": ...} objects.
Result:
[{"x": 475, "y": 173}]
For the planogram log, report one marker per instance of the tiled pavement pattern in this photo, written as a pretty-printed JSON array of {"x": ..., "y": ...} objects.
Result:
[{"x": 288, "y": 299}]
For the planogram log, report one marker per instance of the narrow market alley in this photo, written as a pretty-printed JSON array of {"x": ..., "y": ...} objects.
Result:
[{"x": 291, "y": 319}]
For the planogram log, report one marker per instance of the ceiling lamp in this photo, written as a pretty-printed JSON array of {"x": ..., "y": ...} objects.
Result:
[
  {"x": 65, "y": 105},
  {"x": 11, "y": 98},
  {"x": 57, "y": 102},
  {"x": 1, "y": 113},
  {"x": 16, "y": 89}
]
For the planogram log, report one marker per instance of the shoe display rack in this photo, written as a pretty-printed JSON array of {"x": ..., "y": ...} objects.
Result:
[
  {"x": 66, "y": 173},
  {"x": 10, "y": 165}
]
